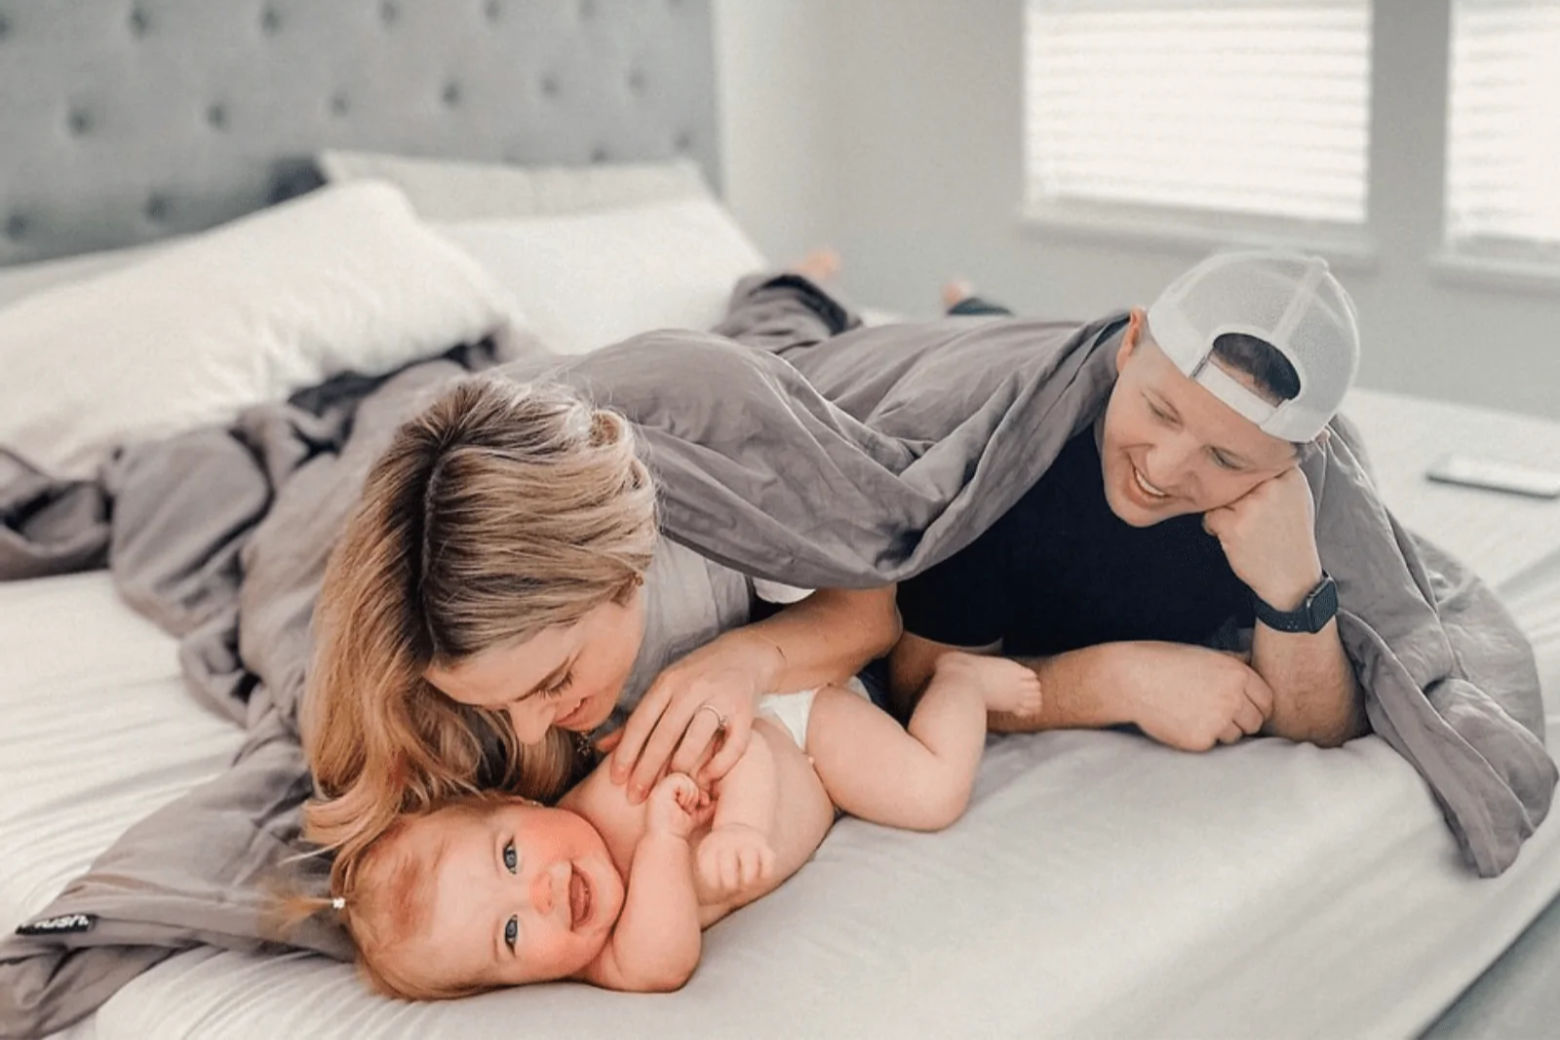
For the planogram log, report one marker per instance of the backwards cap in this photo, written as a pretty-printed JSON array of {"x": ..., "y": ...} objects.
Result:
[{"x": 1289, "y": 300}]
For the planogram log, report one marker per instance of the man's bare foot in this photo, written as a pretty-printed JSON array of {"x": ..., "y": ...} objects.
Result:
[
  {"x": 820, "y": 265},
  {"x": 1004, "y": 684},
  {"x": 955, "y": 292}
]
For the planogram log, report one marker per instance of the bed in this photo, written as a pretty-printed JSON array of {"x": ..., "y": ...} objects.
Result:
[{"x": 1099, "y": 885}]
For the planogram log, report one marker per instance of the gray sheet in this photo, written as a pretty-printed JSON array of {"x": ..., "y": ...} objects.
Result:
[{"x": 851, "y": 460}]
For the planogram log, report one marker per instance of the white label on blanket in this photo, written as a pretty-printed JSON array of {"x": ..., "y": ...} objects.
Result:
[{"x": 58, "y": 925}]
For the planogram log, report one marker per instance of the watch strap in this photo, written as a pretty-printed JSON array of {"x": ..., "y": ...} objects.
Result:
[{"x": 1311, "y": 616}]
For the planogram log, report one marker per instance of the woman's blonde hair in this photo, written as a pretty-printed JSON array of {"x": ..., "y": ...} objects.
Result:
[{"x": 499, "y": 511}]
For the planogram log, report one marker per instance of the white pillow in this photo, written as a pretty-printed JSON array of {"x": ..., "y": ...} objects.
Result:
[
  {"x": 343, "y": 278},
  {"x": 589, "y": 279},
  {"x": 458, "y": 189},
  {"x": 21, "y": 280}
]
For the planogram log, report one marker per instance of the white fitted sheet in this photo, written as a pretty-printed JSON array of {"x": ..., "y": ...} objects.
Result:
[{"x": 1100, "y": 885}]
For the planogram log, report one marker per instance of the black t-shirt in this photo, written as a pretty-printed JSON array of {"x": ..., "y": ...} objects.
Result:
[{"x": 1061, "y": 571}]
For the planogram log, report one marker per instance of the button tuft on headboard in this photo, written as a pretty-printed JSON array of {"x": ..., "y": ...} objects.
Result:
[
  {"x": 587, "y": 8},
  {"x": 5, "y": 26},
  {"x": 389, "y": 12},
  {"x": 140, "y": 21},
  {"x": 339, "y": 106},
  {"x": 451, "y": 94},
  {"x": 636, "y": 81},
  {"x": 156, "y": 208},
  {"x": 493, "y": 10},
  {"x": 549, "y": 86},
  {"x": 683, "y": 141},
  {"x": 15, "y": 226},
  {"x": 79, "y": 121},
  {"x": 216, "y": 116},
  {"x": 270, "y": 20},
  {"x": 598, "y": 154}
]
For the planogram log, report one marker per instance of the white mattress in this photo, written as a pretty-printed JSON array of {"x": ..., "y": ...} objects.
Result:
[{"x": 1099, "y": 886}]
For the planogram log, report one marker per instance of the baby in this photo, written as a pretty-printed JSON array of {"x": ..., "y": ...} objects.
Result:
[{"x": 498, "y": 891}]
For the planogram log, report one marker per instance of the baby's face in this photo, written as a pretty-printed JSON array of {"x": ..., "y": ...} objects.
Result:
[{"x": 519, "y": 894}]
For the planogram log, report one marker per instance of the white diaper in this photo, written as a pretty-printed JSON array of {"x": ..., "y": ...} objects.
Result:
[{"x": 792, "y": 710}]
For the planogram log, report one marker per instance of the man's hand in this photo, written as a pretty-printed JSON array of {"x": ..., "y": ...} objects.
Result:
[
  {"x": 1190, "y": 697},
  {"x": 1269, "y": 537},
  {"x": 733, "y": 857},
  {"x": 675, "y": 806}
]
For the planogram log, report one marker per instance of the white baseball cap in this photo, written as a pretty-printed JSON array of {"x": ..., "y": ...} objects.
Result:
[{"x": 1289, "y": 300}]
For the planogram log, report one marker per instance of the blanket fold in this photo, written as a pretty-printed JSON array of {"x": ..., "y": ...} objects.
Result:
[{"x": 790, "y": 444}]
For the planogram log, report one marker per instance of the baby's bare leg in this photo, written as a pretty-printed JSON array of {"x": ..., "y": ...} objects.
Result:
[{"x": 920, "y": 779}]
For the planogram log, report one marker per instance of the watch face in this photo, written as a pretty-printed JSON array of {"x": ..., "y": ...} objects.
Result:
[{"x": 1322, "y": 604}]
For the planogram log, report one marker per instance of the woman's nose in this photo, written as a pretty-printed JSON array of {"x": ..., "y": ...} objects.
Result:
[{"x": 530, "y": 722}]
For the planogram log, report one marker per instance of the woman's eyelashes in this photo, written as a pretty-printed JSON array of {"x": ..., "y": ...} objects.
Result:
[{"x": 557, "y": 689}]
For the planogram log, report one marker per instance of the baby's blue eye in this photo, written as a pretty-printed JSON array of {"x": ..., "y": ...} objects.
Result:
[
  {"x": 511, "y": 932},
  {"x": 511, "y": 860}
]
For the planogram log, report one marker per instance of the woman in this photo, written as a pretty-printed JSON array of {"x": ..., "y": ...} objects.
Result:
[{"x": 485, "y": 605}]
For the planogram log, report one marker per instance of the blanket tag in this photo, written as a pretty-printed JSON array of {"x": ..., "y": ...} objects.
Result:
[{"x": 58, "y": 925}]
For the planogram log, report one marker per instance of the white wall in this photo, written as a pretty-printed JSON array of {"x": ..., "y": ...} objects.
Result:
[{"x": 891, "y": 128}]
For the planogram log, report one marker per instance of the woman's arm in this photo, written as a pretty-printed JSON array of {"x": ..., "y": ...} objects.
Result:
[{"x": 703, "y": 704}]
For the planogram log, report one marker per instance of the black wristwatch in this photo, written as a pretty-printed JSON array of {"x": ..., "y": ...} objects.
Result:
[{"x": 1312, "y": 615}]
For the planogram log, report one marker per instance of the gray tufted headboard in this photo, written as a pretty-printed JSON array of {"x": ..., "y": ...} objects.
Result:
[{"x": 123, "y": 121}]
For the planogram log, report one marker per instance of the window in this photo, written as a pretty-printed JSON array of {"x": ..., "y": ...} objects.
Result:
[
  {"x": 1258, "y": 108},
  {"x": 1503, "y": 132}
]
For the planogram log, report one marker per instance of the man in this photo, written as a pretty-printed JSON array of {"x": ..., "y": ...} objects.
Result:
[{"x": 1178, "y": 517}]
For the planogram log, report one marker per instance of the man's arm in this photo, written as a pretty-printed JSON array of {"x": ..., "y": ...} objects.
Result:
[
  {"x": 1269, "y": 537},
  {"x": 1187, "y": 697},
  {"x": 1316, "y": 696},
  {"x": 1078, "y": 691}
]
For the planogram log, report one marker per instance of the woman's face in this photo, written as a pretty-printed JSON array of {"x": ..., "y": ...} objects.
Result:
[{"x": 569, "y": 676}]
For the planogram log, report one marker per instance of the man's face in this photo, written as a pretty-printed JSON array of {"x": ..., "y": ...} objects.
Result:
[{"x": 1170, "y": 447}]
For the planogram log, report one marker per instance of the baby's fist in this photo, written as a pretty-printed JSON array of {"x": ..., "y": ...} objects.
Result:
[{"x": 674, "y": 805}]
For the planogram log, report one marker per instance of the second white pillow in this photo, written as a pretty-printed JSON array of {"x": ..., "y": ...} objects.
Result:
[{"x": 585, "y": 280}]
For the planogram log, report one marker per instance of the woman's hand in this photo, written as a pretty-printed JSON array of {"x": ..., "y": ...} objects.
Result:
[{"x": 699, "y": 708}]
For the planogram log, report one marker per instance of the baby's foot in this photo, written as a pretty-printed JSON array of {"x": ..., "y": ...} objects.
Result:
[
  {"x": 1003, "y": 684},
  {"x": 820, "y": 265},
  {"x": 955, "y": 292}
]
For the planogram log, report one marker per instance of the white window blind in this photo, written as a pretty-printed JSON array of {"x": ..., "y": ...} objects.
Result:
[
  {"x": 1258, "y": 107},
  {"x": 1503, "y": 134}
]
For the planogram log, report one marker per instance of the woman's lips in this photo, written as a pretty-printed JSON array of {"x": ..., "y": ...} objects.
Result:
[{"x": 573, "y": 715}]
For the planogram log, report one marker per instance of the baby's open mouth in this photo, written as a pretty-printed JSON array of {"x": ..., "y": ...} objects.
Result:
[{"x": 579, "y": 898}]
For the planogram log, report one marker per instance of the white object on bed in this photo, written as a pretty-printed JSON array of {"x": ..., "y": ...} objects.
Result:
[
  {"x": 346, "y": 278},
  {"x": 585, "y": 280},
  {"x": 457, "y": 189},
  {"x": 20, "y": 280},
  {"x": 1100, "y": 885}
]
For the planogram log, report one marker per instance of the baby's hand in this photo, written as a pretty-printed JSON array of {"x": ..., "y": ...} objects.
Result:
[
  {"x": 732, "y": 858},
  {"x": 674, "y": 806}
]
